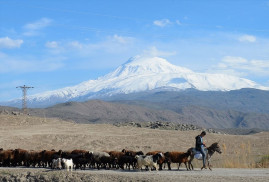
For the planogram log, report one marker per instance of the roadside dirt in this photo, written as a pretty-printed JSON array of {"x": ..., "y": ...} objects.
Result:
[{"x": 218, "y": 174}]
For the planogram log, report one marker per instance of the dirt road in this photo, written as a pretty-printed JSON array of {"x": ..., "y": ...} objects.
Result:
[{"x": 219, "y": 174}]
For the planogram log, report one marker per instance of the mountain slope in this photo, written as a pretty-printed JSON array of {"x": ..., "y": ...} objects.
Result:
[
  {"x": 96, "y": 111},
  {"x": 140, "y": 74},
  {"x": 163, "y": 106},
  {"x": 243, "y": 100}
]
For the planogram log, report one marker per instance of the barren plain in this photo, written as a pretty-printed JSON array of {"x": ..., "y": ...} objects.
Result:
[{"x": 35, "y": 133}]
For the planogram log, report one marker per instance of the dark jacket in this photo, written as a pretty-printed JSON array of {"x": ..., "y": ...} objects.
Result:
[{"x": 199, "y": 142}]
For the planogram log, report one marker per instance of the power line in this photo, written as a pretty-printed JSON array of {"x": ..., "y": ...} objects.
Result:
[{"x": 24, "y": 89}]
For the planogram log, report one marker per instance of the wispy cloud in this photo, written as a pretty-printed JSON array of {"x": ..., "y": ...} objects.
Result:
[
  {"x": 242, "y": 67},
  {"x": 153, "y": 51},
  {"x": 247, "y": 38},
  {"x": 11, "y": 64},
  {"x": 32, "y": 29},
  {"x": 114, "y": 43},
  {"x": 162, "y": 22},
  {"x": 109, "y": 51},
  {"x": 178, "y": 22},
  {"x": 121, "y": 39},
  {"x": 52, "y": 44},
  {"x": 9, "y": 43},
  {"x": 166, "y": 22}
]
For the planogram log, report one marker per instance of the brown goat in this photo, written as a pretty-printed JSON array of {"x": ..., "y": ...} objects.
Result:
[
  {"x": 47, "y": 156},
  {"x": 177, "y": 157},
  {"x": 116, "y": 155},
  {"x": 6, "y": 157},
  {"x": 21, "y": 157},
  {"x": 35, "y": 158}
]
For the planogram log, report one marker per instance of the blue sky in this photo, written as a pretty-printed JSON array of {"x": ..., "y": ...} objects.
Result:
[{"x": 53, "y": 44}]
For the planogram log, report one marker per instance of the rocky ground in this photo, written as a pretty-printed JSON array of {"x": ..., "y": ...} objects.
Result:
[{"x": 165, "y": 126}]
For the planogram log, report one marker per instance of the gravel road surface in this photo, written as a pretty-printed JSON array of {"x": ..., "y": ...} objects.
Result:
[{"x": 219, "y": 174}]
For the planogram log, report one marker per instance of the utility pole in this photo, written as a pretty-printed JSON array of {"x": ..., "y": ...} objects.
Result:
[{"x": 24, "y": 89}]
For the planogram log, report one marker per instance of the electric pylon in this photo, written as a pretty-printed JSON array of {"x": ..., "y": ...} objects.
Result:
[{"x": 24, "y": 89}]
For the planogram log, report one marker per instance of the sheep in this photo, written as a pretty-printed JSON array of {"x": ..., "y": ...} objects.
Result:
[
  {"x": 68, "y": 164},
  {"x": 160, "y": 161},
  {"x": 97, "y": 157},
  {"x": 148, "y": 160},
  {"x": 56, "y": 163},
  {"x": 177, "y": 157}
]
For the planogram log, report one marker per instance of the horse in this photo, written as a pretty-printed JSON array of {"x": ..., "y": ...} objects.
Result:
[{"x": 209, "y": 152}]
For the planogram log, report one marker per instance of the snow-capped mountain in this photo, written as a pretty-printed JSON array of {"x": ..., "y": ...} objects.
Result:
[{"x": 141, "y": 74}]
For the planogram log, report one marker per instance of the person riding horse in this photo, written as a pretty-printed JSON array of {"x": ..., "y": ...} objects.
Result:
[{"x": 200, "y": 146}]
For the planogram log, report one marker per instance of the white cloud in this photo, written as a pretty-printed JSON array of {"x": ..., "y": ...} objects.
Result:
[
  {"x": 52, "y": 44},
  {"x": 247, "y": 38},
  {"x": 241, "y": 67},
  {"x": 9, "y": 43},
  {"x": 112, "y": 44},
  {"x": 234, "y": 60},
  {"x": 77, "y": 45},
  {"x": 121, "y": 39},
  {"x": 162, "y": 23},
  {"x": 31, "y": 29},
  {"x": 42, "y": 23},
  {"x": 153, "y": 51},
  {"x": 178, "y": 22}
]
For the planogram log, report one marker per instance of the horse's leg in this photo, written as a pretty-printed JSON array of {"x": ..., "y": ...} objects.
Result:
[
  {"x": 204, "y": 167},
  {"x": 190, "y": 164},
  {"x": 209, "y": 166}
]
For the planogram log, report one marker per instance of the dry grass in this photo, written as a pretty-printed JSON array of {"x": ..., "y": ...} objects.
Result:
[
  {"x": 242, "y": 158},
  {"x": 264, "y": 162}
]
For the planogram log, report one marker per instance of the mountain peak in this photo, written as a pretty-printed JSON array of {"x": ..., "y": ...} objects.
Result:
[
  {"x": 146, "y": 65},
  {"x": 143, "y": 73},
  {"x": 142, "y": 60}
]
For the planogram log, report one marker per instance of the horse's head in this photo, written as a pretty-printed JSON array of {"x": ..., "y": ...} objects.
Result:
[{"x": 216, "y": 147}]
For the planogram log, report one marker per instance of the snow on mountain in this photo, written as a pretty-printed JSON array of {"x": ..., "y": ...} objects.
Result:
[{"x": 141, "y": 74}]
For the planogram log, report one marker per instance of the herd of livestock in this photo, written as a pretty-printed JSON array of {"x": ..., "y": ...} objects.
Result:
[{"x": 82, "y": 159}]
